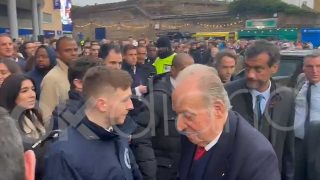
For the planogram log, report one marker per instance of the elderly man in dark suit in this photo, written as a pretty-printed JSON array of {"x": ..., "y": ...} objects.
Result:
[
  {"x": 265, "y": 104},
  {"x": 307, "y": 120},
  {"x": 220, "y": 144}
]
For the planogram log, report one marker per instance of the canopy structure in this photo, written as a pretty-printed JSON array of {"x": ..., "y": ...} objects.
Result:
[
  {"x": 225, "y": 35},
  {"x": 290, "y": 34}
]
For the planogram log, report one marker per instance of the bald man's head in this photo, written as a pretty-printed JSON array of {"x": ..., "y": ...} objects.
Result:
[{"x": 180, "y": 61}]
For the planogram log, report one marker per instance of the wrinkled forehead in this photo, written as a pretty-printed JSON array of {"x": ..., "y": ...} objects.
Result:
[{"x": 5, "y": 39}]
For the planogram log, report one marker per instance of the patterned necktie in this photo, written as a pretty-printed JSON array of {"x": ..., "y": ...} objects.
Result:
[{"x": 199, "y": 152}]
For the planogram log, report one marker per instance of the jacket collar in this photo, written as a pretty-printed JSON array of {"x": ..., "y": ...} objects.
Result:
[
  {"x": 62, "y": 65},
  {"x": 222, "y": 150},
  {"x": 75, "y": 95},
  {"x": 94, "y": 131}
]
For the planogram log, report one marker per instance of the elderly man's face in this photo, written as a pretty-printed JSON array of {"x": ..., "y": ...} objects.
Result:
[{"x": 195, "y": 118}]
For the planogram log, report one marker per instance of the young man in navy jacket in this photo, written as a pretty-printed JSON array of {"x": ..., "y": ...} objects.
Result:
[{"x": 96, "y": 148}]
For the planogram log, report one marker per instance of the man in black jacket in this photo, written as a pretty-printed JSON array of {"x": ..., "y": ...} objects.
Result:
[
  {"x": 160, "y": 116},
  {"x": 138, "y": 74}
]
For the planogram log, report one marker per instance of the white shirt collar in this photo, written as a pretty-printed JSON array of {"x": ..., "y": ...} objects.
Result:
[
  {"x": 173, "y": 82},
  {"x": 315, "y": 84},
  {"x": 212, "y": 143}
]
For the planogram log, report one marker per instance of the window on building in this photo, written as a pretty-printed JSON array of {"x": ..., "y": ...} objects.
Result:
[{"x": 47, "y": 18}]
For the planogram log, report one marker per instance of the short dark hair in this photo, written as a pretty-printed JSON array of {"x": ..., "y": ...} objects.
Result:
[
  {"x": 314, "y": 54},
  {"x": 263, "y": 46},
  {"x": 106, "y": 48},
  {"x": 78, "y": 68},
  {"x": 60, "y": 40},
  {"x": 11, "y": 151},
  {"x": 140, "y": 46},
  {"x": 23, "y": 49},
  {"x": 100, "y": 78},
  {"x": 151, "y": 46},
  {"x": 127, "y": 48},
  {"x": 220, "y": 55}
]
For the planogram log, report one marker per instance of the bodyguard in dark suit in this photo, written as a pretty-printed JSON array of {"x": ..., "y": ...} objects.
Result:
[
  {"x": 265, "y": 104},
  {"x": 307, "y": 120},
  {"x": 220, "y": 144},
  {"x": 159, "y": 113},
  {"x": 138, "y": 74}
]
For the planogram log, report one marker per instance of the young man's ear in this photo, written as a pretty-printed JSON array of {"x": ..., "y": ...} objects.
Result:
[{"x": 30, "y": 165}]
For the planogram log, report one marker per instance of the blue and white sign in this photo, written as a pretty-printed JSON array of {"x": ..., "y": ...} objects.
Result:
[{"x": 65, "y": 11}]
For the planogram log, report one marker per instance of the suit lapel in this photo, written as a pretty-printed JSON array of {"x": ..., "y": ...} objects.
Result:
[
  {"x": 276, "y": 112},
  {"x": 246, "y": 98},
  {"x": 218, "y": 164},
  {"x": 267, "y": 117},
  {"x": 187, "y": 154}
]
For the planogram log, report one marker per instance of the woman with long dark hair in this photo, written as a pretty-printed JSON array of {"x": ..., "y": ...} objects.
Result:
[{"x": 18, "y": 96}]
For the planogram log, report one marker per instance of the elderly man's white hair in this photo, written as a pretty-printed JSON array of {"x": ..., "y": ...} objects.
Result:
[{"x": 208, "y": 80}]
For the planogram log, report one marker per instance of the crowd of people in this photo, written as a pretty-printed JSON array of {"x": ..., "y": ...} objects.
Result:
[{"x": 156, "y": 110}]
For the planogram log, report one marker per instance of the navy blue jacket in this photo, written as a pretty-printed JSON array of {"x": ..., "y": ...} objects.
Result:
[
  {"x": 89, "y": 152},
  {"x": 241, "y": 153}
]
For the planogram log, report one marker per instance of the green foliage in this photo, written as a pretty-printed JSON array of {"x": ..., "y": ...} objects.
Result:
[{"x": 264, "y": 7}]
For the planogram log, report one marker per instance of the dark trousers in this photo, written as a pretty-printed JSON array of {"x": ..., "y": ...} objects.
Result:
[
  {"x": 300, "y": 160},
  {"x": 301, "y": 166}
]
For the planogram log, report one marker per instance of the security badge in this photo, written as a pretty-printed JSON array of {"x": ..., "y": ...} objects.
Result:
[{"x": 167, "y": 68}]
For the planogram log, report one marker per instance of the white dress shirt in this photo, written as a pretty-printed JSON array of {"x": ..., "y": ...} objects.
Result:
[
  {"x": 173, "y": 82},
  {"x": 301, "y": 108},
  {"x": 212, "y": 143}
]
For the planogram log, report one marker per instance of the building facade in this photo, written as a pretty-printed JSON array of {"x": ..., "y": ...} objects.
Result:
[{"x": 28, "y": 19}]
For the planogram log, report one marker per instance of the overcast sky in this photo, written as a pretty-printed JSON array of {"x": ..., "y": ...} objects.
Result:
[{"x": 92, "y": 2}]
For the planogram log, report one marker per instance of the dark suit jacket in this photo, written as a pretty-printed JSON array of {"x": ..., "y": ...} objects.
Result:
[
  {"x": 166, "y": 139},
  {"x": 277, "y": 120},
  {"x": 140, "y": 77},
  {"x": 241, "y": 153}
]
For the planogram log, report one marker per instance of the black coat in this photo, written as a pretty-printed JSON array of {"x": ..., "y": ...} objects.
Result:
[
  {"x": 165, "y": 138},
  {"x": 139, "y": 77},
  {"x": 241, "y": 153},
  {"x": 277, "y": 120}
]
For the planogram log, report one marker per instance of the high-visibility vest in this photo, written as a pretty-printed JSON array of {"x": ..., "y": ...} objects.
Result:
[{"x": 163, "y": 65}]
